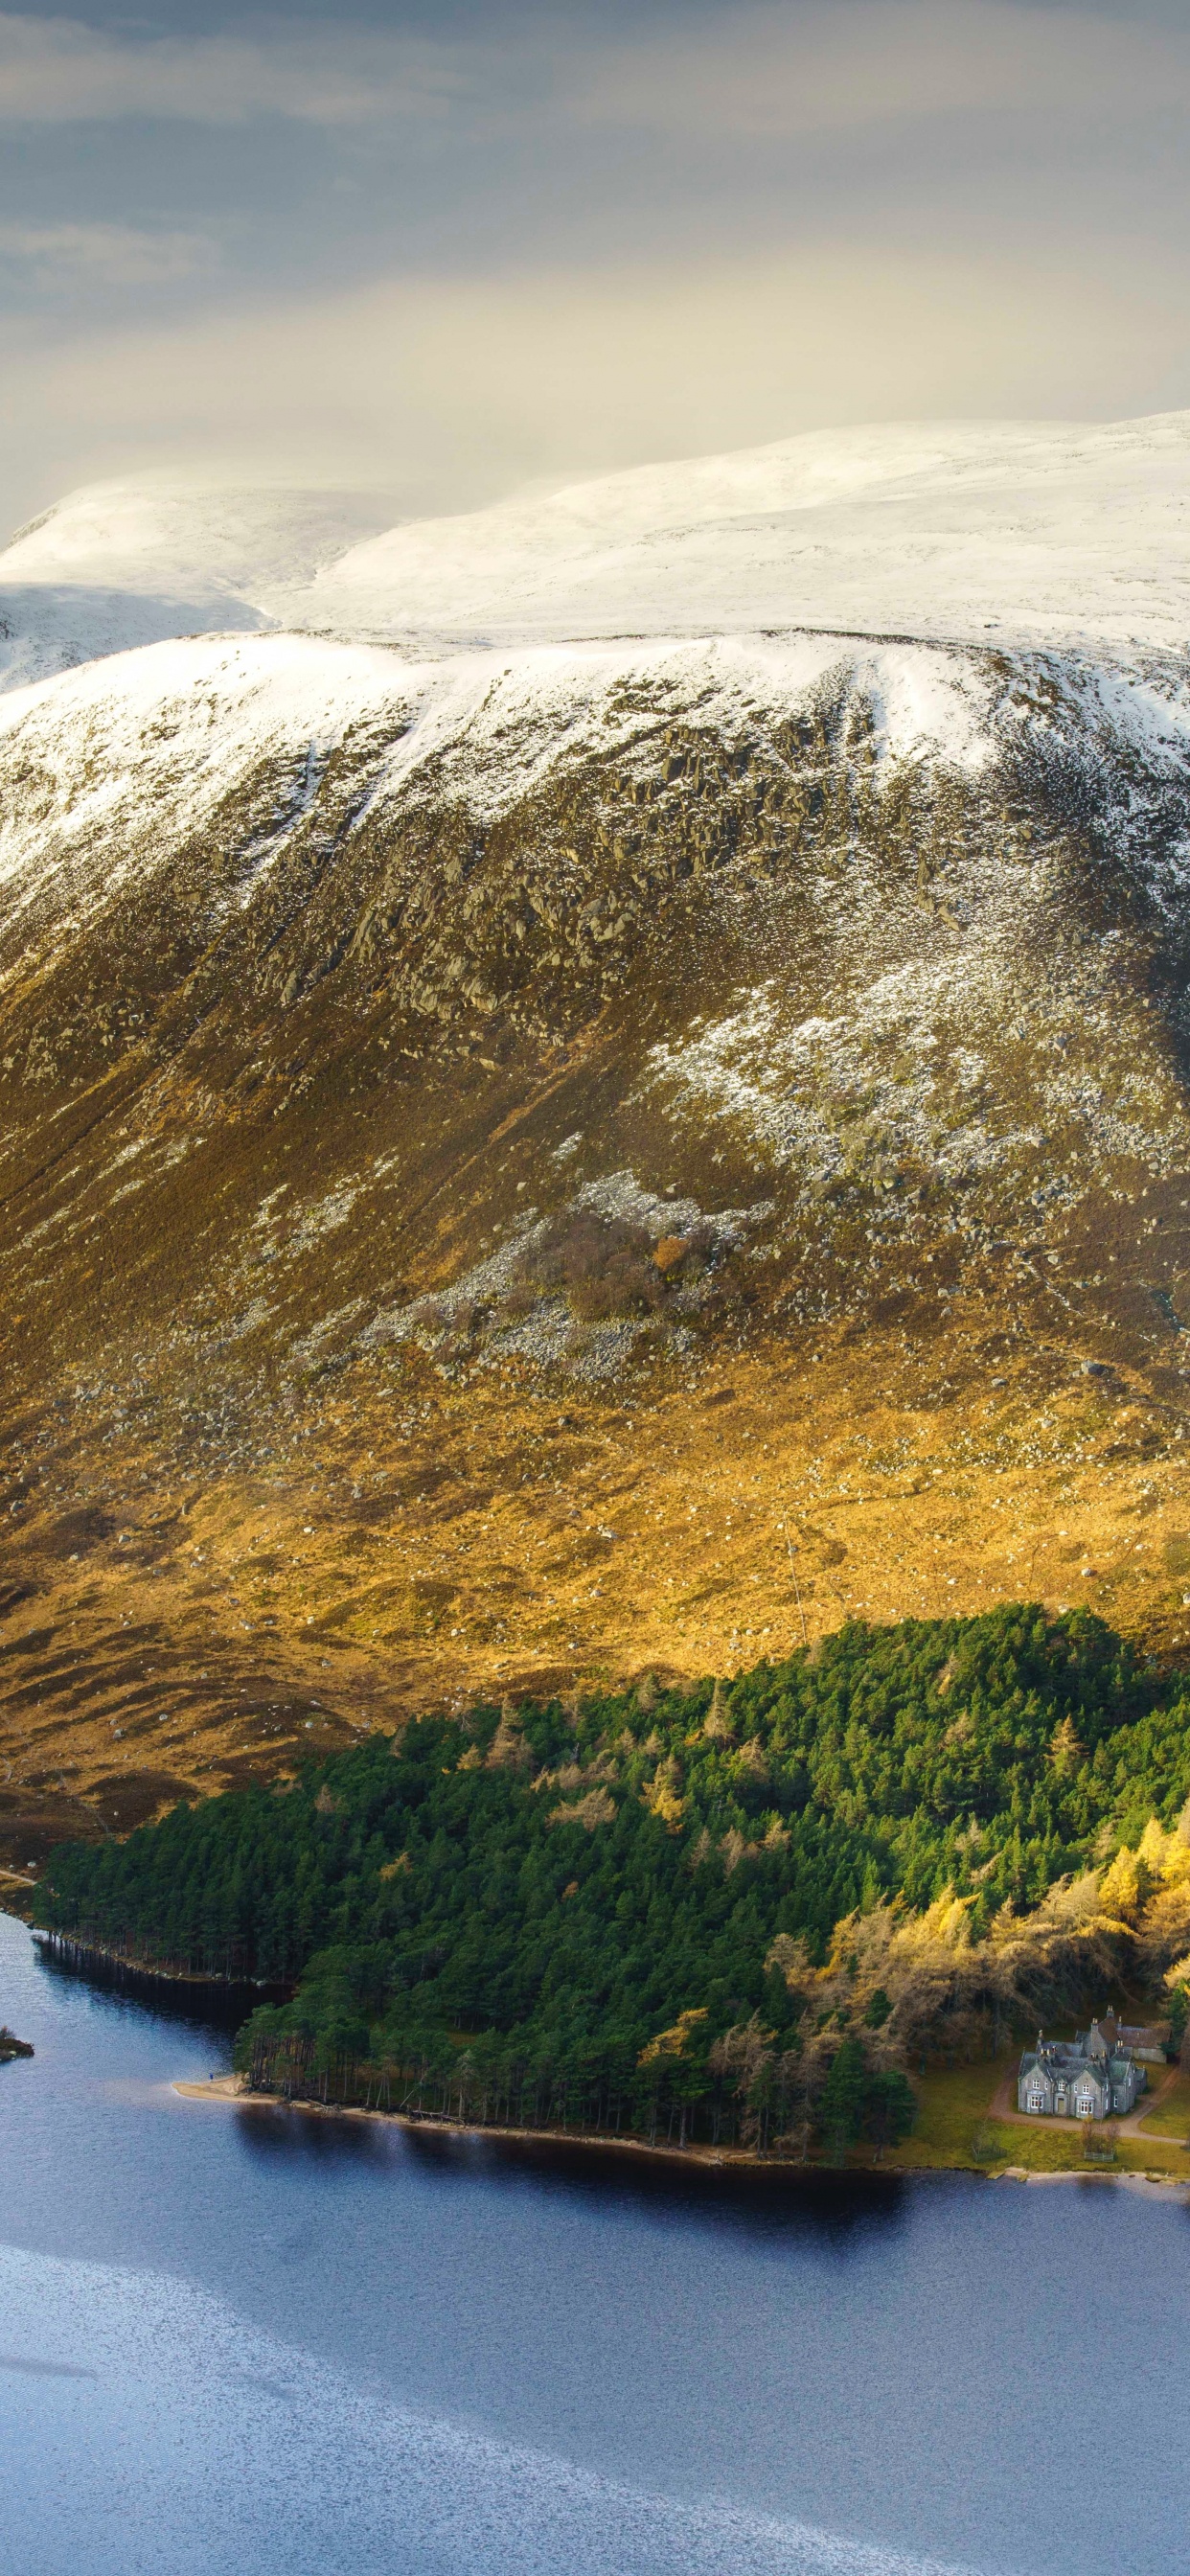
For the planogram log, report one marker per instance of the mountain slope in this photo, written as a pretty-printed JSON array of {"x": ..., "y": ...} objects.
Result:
[
  {"x": 124, "y": 564},
  {"x": 551, "y": 1161}
]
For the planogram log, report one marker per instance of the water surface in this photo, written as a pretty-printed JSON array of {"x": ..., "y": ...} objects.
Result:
[{"x": 232, "y": 2339}]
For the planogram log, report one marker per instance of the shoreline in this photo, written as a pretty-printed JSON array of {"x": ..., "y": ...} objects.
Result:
[
  {"x": 229, "y": 2093},
  {"x": 91, "y": 1959}
]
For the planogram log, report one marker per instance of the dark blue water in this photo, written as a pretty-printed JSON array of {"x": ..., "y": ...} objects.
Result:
[{"x": 234, "y": 2340}]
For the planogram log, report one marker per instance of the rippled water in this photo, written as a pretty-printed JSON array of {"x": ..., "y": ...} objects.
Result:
[{"x": 231, "y": 2340}]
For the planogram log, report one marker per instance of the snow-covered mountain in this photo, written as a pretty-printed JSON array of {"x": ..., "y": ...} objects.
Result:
[
  {"x": 1019, "y": 532},
  {"x": 689, "y": 973},
  {"x": 1008, "y": 532},
  {"x": 120, "y": 565}
]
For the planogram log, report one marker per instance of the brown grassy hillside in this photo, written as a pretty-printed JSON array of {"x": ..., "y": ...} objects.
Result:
[{"x": 613, "y": 1177}]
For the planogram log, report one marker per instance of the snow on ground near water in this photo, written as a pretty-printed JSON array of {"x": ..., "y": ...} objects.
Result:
[
  {"x": 1013, "y": 532},
  {"x": 1018, "y": 532}
]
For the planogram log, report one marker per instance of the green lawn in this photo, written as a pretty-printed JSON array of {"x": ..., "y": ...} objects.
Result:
[
  {"x": 1173, "y": 2118},
  {"x": 953, "y": 2119},
  {"x": 953, "y": 2106}
]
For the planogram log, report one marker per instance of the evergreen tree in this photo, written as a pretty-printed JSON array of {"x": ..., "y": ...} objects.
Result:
[
  {"x": 844, "y": 2098},
  {"x": 545, "y": 1891}
]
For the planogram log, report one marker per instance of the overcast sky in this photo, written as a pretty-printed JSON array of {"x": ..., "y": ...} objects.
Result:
[{"x": 453, "y": 249}]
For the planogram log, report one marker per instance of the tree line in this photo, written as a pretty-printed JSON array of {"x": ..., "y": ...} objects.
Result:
[{"x": 625, "y": 1915}]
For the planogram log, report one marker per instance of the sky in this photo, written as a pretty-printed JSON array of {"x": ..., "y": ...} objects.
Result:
[{"x": 454, "y": 250}]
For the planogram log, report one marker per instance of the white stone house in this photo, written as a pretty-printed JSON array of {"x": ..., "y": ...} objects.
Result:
[{"x": 1087, "y": 2078}]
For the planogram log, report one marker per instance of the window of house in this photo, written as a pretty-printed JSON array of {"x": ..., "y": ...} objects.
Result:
[
  {"x": 1035, "y": 2102},
  {"x": 1085, "y": 2105}
]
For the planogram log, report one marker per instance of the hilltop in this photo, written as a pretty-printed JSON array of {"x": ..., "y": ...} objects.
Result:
[
  {"x": 1017, "y": 533},
  {"x": 532, "y": 1152},
  {"x": 123, "y": 564}
]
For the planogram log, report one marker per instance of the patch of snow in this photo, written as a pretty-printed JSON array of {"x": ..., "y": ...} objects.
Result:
[
  {"x": 901, "y": 1077},
  {"x": 605, "y": 1349},
  {"x": 254, "y": 1315},
  {"x": 323, "y": 1216},
  {"x": 264, "y": 1216},
  {"x": 549, "y": 1331}
]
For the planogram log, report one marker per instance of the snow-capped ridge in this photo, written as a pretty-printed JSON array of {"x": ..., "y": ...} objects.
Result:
[
  {"x": 119, "y": 565},
  {"x": 184, "y": 718},
  {"x": 172, "y": 730},
  {"x": 1013, "y": 533}
]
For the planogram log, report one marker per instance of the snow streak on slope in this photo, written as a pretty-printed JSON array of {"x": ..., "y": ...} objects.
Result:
[{"x": 165, "y": 732}]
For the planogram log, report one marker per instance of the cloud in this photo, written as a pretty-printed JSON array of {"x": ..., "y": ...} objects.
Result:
[
  {"x": 814, "y": 66},
  {"x": 456, "y": 391},
  {"x": 106, "y": 254},
  {"x": 801, "y": 71},
  {"x": 702, "y": 226},
  {"x": 59, "y": 71}
]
